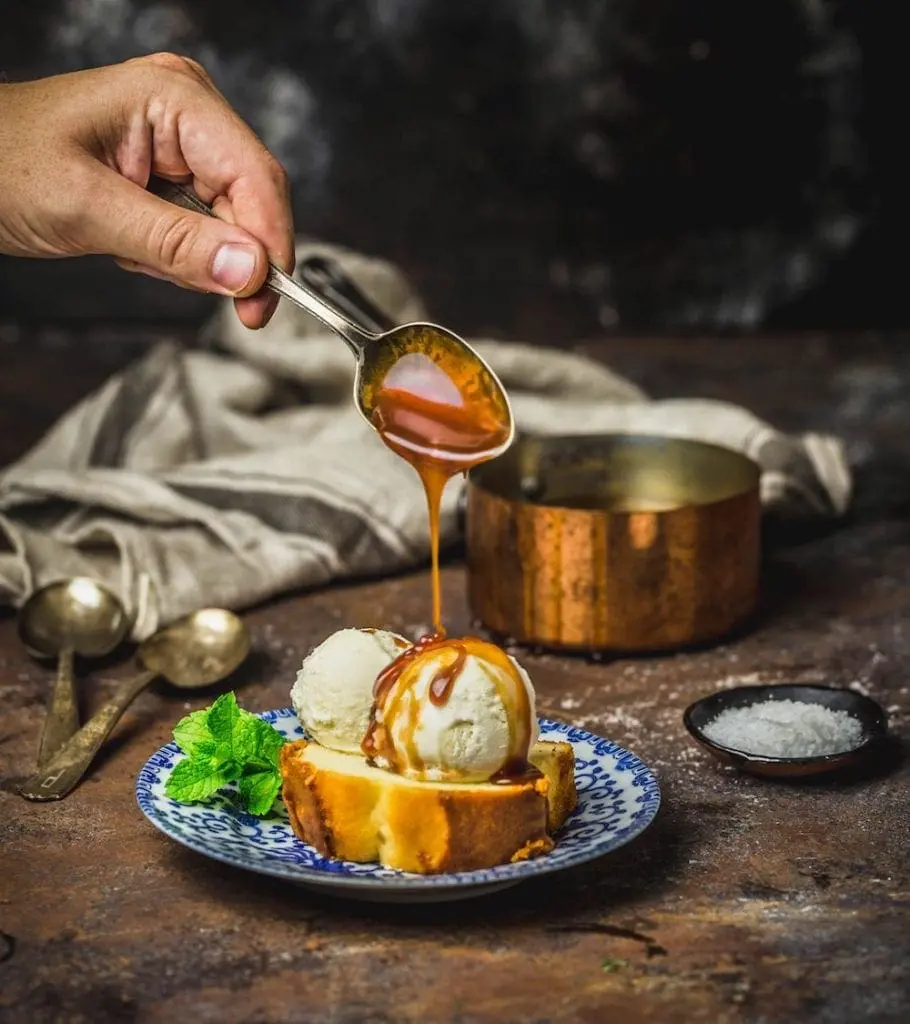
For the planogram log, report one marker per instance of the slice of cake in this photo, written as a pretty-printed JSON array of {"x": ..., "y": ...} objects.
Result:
[{"x": 351, "y": 810}]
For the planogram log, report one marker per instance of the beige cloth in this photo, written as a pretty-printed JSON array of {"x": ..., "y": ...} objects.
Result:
[{"x": 226, "y": 475}]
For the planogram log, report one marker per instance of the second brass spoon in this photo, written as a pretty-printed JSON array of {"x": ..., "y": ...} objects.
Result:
[{"x": 193, "y": 652}]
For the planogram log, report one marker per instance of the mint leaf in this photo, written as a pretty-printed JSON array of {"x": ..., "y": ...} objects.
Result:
[
  {"x": 234, "y": 730},
  {"x": 245, "y": 738},
  {"x": 195, "y": 779},
  {"x": 266, "y": 740},
  {"x": 193, "y": 735},
  {"x": 258, "y": 790},
  {"x": 222, "y": 718},
  {"x": 222, "y": 744},
  {"x": 227, "y": 724}
]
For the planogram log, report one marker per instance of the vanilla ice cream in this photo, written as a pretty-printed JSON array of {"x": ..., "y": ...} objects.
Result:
[
  {"x": 333, "y": 693},
  {"x": 453, "y": 711}
]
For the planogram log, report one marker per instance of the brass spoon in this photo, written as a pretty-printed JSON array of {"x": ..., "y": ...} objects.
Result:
[
  {"x": 193, "y": 652},
  {"x": 378, "y": 349},
  {"x": 73, "y": 616}
]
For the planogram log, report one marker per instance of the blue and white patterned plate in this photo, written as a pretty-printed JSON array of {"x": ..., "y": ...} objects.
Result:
[{"x": 618, "y": 798}]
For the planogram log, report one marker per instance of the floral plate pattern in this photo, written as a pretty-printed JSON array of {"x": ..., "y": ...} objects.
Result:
[{"x": 618, "y": 798}]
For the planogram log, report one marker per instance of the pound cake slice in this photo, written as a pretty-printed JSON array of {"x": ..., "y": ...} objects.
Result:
[{"x": 347, "y": 809}]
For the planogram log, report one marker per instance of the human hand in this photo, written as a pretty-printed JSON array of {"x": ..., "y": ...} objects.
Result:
[{"x": 76, "y": 152}]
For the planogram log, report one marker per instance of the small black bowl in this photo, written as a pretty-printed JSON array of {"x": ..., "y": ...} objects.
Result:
[{"x": 871, "y": 715}]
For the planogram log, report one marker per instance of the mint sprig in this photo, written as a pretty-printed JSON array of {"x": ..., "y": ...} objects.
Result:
[{"x": 226, "y": 744}]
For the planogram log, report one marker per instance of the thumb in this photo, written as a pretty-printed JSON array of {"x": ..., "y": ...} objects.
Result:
[{"x": 193, "y": 249}]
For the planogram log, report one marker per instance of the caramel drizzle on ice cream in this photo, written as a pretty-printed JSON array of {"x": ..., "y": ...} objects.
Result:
[{"x": 393, "y": 695}]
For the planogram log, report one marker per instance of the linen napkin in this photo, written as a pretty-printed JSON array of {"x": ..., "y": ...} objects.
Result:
[{"x": 234, "y": 472}]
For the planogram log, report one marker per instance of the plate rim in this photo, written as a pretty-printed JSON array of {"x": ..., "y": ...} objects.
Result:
[{"x": 506, "y": 873}]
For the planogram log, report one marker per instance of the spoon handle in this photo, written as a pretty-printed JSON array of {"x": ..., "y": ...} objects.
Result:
[
  {"x": 64, "y": 770},
  {"x": 324, "y": 277},
  {"x": 62, "y": 719},
  {"x": 277, "y": 280}
]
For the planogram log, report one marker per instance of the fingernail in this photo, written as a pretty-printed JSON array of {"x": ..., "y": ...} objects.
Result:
[{"x": 233, "y": 267}]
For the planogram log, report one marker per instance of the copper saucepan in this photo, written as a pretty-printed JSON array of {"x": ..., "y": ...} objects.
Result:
[{"x": 613, "y": 542}]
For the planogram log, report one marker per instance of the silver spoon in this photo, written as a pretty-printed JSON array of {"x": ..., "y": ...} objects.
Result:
[
  {"x": 193, "y": 652},
  {"x": 68, "y": 617},
  {"x": 377, "y": 351}
]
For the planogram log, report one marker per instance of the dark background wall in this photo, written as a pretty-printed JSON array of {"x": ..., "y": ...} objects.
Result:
[{"x": 635, "y": 165}]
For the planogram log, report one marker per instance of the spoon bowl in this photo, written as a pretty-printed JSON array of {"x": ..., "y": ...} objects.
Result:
[
  {"x": 197, "y": 650},
  {"x": 421, "y": 359},
  {"x": 80, "y": 614}
]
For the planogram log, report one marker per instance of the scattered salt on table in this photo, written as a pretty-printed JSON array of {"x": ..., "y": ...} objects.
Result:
[{"x": 785, "y": 728}]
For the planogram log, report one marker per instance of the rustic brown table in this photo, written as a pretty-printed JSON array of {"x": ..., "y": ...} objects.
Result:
[{"x": 748, "y": 900}]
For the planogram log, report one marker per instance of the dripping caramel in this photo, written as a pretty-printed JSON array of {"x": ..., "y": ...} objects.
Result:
[{"x": 443, "y": 425}]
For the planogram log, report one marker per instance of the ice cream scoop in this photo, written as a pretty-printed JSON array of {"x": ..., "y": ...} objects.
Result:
[
  {"x": 458, "y": 710},
  {"x": 333, "y": 692}
]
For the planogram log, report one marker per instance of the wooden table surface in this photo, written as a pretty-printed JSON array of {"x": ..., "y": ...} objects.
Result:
[{"x": 748, "y": 900}]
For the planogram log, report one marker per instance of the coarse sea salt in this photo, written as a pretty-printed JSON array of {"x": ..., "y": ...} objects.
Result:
[{"x": 785, "y": 728}]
